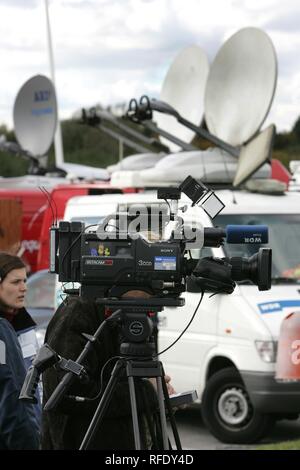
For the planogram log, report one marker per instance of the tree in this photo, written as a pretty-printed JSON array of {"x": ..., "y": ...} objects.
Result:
[{"x": 296, "y": 129}]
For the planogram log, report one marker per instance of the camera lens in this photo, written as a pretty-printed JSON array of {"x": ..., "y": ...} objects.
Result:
[{"x": 257, "y": 268}]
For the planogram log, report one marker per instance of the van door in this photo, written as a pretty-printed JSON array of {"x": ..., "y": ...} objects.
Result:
[{"x": 184, "y": 362}]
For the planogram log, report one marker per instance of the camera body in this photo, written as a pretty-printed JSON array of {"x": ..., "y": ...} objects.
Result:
[
  {"x": 109, "y": 263},
  {"x": 128, "y": 263}
]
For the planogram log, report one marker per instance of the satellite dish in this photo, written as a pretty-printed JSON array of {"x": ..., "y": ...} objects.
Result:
[
  {"x": 241, "y": 86},
  {"x": 183, "y": 88},
  {"x": 254, "y": 154},
  {"x": 250, "y": 156},
  {"x": 35, "y": 115}
]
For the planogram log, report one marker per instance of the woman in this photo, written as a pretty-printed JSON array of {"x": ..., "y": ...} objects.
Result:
[{"x": 19, "y": 421}]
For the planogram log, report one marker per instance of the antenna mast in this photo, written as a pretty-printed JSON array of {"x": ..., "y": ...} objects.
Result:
[{"x": 58, "y": 145}]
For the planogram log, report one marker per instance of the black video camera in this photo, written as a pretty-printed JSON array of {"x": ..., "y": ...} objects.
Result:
[{"x": 107, "y": 264}]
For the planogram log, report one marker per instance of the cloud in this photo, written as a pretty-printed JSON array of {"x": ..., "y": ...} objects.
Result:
[
  {"x": 111, "y": 50},
  {"x": 28, "y": 4},
  {"x": 288, "y": 22}
]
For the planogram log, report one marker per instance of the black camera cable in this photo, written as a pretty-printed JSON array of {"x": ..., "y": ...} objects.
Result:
[
  {"x": 89, "y": 399},
  {"x": 185, "y": 329},
  {"x": 85, "y": 399}
]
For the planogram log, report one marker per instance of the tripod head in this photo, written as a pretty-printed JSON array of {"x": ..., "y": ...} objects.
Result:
[{"x": 136, "y": 320}]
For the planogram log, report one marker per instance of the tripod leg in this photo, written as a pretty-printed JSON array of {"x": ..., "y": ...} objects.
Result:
[
  {"x": 150, "y": 420},
  {"x": 135, "y": 421},
  {"x": 171, "y": 416},
  {"x": 162, "y": 412},
  {"x": 103, "y": 404}
]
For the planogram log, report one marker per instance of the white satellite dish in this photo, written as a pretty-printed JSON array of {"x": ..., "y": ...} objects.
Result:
[
  {"x": 183, "y": 88},
  {"x": 254, "y": 155},
  {"x": 35, "y": 115},
  {"x": 241, "y": 86}
]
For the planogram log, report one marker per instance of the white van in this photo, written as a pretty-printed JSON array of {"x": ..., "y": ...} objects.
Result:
[{"x": 228, "y": 354}]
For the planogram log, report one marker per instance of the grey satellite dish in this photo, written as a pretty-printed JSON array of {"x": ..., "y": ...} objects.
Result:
[
  {"x": 35, "y": 115},
  {"x": 241, "y": 86},
  {"x": 246, "y": 76},
  {"x": 254, "y": 154},
  {"x": 183, "y": 88}
]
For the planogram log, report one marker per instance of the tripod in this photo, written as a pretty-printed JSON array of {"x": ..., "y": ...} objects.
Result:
[
  {"x": 137, "y": 360},
  {"x": 136, "y": 367}
]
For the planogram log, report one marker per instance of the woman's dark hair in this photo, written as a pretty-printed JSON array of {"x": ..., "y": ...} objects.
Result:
[{"x": 8, "y": 263}]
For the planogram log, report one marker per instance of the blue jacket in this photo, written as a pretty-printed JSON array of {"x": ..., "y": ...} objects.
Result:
[
  {"x": 24, "y": 326},
  {"x": 29, "y": 346},
  {"x": 19, "y": 425}
]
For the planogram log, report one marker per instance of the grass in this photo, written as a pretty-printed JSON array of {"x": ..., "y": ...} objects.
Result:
[{"x": 288, "y": 445}]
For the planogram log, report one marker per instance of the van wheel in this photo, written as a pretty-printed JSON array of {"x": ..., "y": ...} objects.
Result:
[{"x": 228, "y": 412}]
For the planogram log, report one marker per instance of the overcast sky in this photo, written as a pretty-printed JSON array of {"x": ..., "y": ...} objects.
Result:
[{"x": 108, "y": 51}]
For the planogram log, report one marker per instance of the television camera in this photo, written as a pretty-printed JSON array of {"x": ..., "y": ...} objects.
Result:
[{"x": 109, "y": 263}]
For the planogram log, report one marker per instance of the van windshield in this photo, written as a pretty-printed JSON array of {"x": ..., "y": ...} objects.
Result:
[{"x": 284, "y": 239}]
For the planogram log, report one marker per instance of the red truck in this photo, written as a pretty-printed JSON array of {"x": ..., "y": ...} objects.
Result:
[{"x": 37, "y": 216}]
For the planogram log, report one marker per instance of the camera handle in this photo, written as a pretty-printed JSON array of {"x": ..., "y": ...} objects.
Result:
[
  {"x": 135, "y": 369},
  {"x": 213, "y": 275},
  {"x": 46, "y": 358}
]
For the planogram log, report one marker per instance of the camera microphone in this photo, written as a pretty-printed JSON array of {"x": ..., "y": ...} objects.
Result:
[
  {"x": 247, "y": 234},
  {"x": 236, "y": 234}
]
